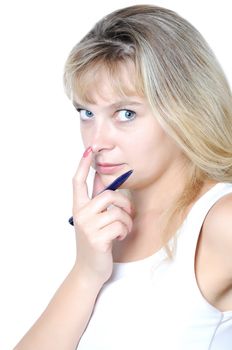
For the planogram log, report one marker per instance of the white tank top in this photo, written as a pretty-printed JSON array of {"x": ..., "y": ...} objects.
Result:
[{"x": 155, "y": 303}]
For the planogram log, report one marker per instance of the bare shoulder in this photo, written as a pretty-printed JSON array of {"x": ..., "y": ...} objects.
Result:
[
  {"x": 217, "y": 229},
  {"x": 213, "y": 259},
  {"x": 220, "y": 216}
]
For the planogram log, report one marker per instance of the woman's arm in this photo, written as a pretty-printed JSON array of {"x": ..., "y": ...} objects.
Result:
[
  {"x": 63, "y": 322},
  {"x": 214, "y": 257},
  {"x": 61, "y": 325}
]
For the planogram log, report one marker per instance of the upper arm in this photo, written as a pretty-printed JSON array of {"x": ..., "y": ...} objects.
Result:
[
  {"x": 213, "y": 263},
  {"x": 217, "y": 231}
]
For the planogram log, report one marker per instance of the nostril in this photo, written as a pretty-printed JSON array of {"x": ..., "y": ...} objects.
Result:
[{"x": 96, "y": 148}]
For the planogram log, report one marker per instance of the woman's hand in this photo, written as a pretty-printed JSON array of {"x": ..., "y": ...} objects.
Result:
[{"x": 96, "y": 224}]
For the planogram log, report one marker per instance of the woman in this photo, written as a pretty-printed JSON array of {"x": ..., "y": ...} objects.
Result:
[{"x": 153, "y": 267}]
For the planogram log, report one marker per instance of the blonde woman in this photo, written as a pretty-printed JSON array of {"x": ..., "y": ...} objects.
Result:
[{"x": 153, "y": 267}]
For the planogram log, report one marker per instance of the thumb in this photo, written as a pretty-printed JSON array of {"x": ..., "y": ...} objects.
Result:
[{"x": 98, "y": 186}]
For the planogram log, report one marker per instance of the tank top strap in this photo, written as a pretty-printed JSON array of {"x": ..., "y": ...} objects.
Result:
[{"x": 191, "y": 228}]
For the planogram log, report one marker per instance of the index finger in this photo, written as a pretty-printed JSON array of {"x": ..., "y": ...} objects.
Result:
[
  {"x": 80, "y": 189},
  {"x": 98, "y": 186}
]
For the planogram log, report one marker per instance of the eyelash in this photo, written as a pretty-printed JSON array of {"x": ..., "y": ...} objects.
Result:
[
  {"x": 130, "y": 111},
  {"x": 79, "y": 110}
]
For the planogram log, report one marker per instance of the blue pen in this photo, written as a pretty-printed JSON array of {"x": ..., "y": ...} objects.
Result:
[{"x": 113, "y": 186}]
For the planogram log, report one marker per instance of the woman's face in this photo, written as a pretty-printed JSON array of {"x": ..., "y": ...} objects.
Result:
[{"x": 124, "y": 134}]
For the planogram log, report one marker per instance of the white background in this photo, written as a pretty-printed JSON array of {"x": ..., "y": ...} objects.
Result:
[{"x": 40, "y": 144}]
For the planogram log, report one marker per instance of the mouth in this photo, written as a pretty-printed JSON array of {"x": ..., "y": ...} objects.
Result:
[{"x": 108, "y": 168}]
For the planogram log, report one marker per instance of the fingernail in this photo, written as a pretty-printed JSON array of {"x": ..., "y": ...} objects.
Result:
[{"x": 87, "y": 152}]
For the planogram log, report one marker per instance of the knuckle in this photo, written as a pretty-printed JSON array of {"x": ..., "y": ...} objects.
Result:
[
  {"x": 114, "y": 212},
  {"x": 120, "y": 230},
  {"x": 107, "y": 195},
  {"x": 79, "y": 218},
  {"x": 119, "y": 226}
]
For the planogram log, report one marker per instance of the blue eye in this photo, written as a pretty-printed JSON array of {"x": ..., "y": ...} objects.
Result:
[
  {"x": 85, "y": 114},
  {"x": 126, "y": 115}
]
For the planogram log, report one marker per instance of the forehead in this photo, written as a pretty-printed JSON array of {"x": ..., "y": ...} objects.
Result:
[{"x": 107, "y": 83}]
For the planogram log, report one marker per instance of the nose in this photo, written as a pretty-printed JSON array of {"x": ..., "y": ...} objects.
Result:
[{"x": 102, "y": 137}]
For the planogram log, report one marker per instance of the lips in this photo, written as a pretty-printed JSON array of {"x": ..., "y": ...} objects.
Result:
[
  {"x": 108, "y": 168},
  {"x": 108, "y": 164}
]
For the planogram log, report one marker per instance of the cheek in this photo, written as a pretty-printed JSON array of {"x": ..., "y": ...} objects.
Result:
[
  {"x": 152, "y": 150},
  {"x": 141, "y": 153},
  {"x": 86, "y": 137},
  {"x": 147, "y": 141}
]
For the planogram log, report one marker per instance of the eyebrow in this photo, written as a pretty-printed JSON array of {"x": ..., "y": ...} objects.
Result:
[
  {"x": 77, "y": 105},
  {"x": 113, "y": 105}
]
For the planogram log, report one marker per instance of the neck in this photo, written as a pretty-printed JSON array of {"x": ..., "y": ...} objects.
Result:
[
  {"x": 158, "y": 196},
  {"x": 150, "y": 206},
  {"x": 150, "y": 218}
]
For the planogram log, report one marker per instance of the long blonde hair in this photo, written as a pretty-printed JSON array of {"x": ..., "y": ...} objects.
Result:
[{"x": 178, "y": 74}]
